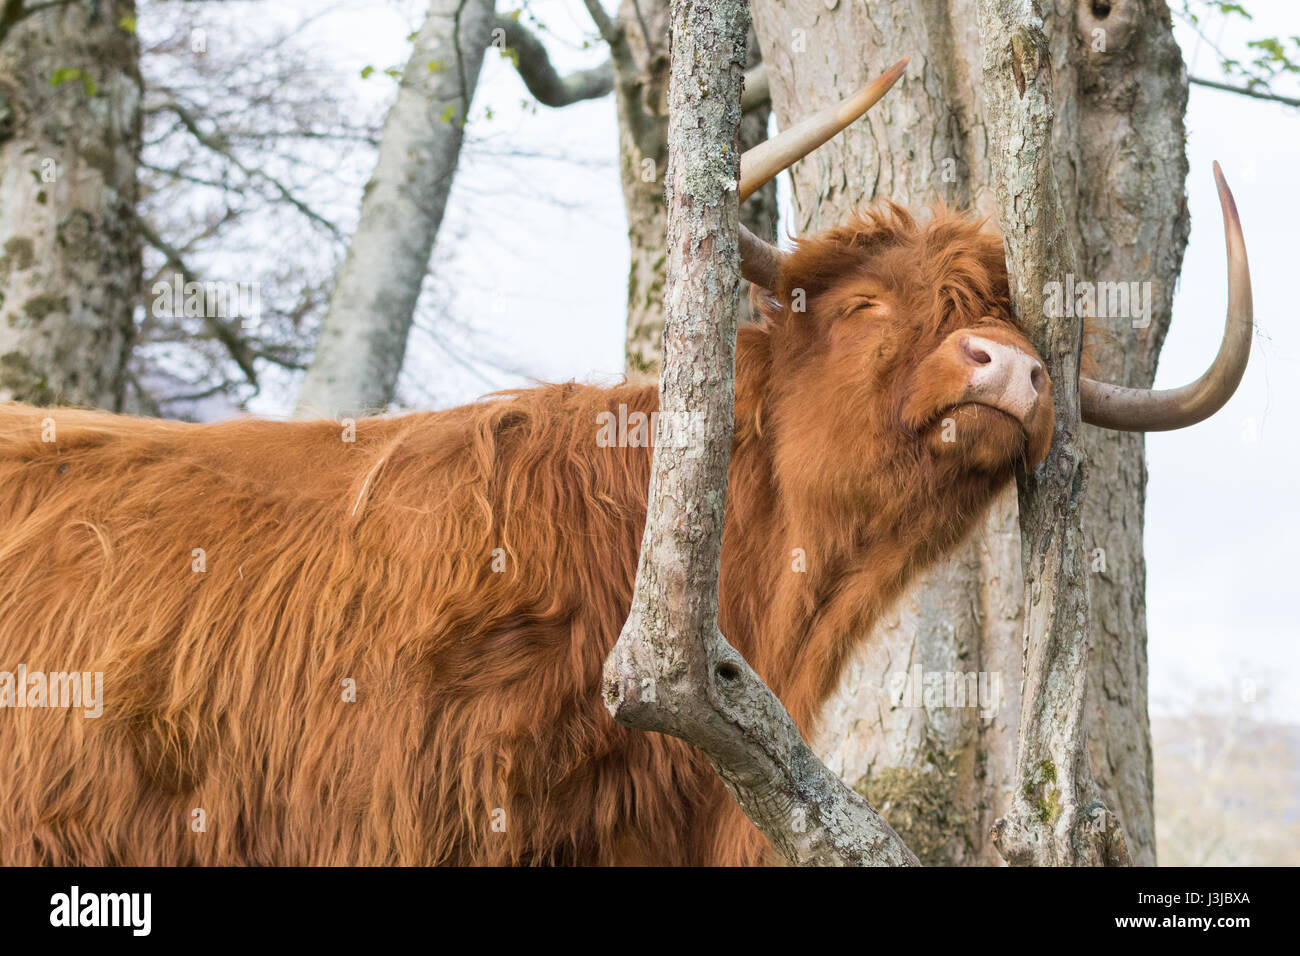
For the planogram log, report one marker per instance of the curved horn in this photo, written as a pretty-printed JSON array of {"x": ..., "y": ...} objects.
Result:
[
  {"x": 1149, "y": 410},
  {"x": 760, "y": 163},
  {"x": 760, "y": 261}
]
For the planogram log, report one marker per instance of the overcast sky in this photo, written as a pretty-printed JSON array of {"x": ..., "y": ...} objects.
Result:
[{"x": 531, "y": 274}]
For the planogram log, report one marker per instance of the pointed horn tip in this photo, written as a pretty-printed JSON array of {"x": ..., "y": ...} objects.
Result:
[
  {"x": 894, "y": 73},
  {"x": 1226, "y": 199}
]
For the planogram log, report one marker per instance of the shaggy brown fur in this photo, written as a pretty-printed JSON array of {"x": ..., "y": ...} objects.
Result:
[{"x": 477, "y": 688}]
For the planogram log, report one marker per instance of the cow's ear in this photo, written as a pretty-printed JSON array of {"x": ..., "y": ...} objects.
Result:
[
  {"x": 816, "y": 266},
  {"x": 1098, "y": 338},
  {"x": 764, "y": 302},
  {"x": 993, "y": 256}
]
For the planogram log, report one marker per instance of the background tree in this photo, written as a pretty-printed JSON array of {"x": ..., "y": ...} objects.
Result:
[
  {"x": 362, "y": 342},
  {"x": 251, "y": 133},
  {"x": 638, "y": 42},
  {"x": 248, "y": 134},
  {"x": 1226, "y": 780},
  {"x": 69, "y": 244}
]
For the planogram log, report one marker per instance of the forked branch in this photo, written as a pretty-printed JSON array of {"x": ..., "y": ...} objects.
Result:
[{"x": 672, "y": 670}]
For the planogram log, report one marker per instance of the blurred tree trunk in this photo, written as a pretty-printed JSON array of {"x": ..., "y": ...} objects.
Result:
[
  {"x": 942, "y": 775},
  {"x": 363, "y": 339},
  {"x": 70, "y": 267},
  {"x": 641, "y": 82}
]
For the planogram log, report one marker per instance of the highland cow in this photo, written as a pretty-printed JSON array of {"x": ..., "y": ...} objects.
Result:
[{"x": 385, "y": 647}]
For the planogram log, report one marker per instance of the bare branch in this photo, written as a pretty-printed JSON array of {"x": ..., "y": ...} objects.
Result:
[
  {"x": 218, "y": 143},
  {"x": 628, "y": 82},
  {"x": 535, "y": 69},
  {"x": 223, "y": 332},
  {"x": 1246, "y": 91},
  {"x": 610, "y": 30},
  {"x": 672, "y": 670}
]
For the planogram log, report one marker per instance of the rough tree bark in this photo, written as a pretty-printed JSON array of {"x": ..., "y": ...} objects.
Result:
[
  {"x": 1055, "y": 817},
  {"x": 70, "y": 265},
  {"x": 672, "y": 671},
  {"x": 944, "y": 773}
]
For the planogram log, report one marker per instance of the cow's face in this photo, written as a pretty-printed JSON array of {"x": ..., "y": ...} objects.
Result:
[
  {"x": 918, "y": 316},
  {"x": 901, "y": 336}
]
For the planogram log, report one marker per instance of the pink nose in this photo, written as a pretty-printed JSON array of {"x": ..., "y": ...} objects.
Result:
[{"x": 1002, "y": 376}]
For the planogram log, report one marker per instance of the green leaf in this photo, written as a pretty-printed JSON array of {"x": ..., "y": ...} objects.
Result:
[
  {"x": 1229, "y": 8},
  {"x": 67, "y": 74},
  {"x": 63, "y": 74},
  {"x": 435, "y": 66},
  {"x": 448, "y": 113},
  {"x": 366, "y": 71},
  {"x": 127, "y": 24}
]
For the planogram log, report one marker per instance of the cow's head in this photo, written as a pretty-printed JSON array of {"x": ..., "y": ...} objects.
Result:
[{"x": 900, "y": 334}]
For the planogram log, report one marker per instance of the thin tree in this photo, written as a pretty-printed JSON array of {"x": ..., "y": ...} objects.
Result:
[
  {"x": 672, "y": 670},
  {"x": 363, "y": 339},
  {"x": 1056, "y": 816}
]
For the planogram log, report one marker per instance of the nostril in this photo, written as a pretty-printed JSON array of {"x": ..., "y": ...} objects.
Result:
[
  {"x": 1036, "y": 375},
  {"x": 976, "y": 354}
]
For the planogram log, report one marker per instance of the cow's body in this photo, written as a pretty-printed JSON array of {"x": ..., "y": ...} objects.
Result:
[
  {"x": 467, "y": 571},
  {"x": 328, "y": 560},
  {"x": 373, "y": 560}
]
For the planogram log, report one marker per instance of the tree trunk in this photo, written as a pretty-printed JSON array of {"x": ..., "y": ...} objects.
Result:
[
  {"x": 363, "y": 339},
  {"x": 672, "y": 671},
  {"x": 70, "y": 266},
  {"x": 943, "y": 773},
  {"x": 1055, "y": 816},
  {"x": 642, "y": 84}
]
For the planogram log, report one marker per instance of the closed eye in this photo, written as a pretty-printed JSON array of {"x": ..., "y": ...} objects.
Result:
[{"x": 867, "y": 303}]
